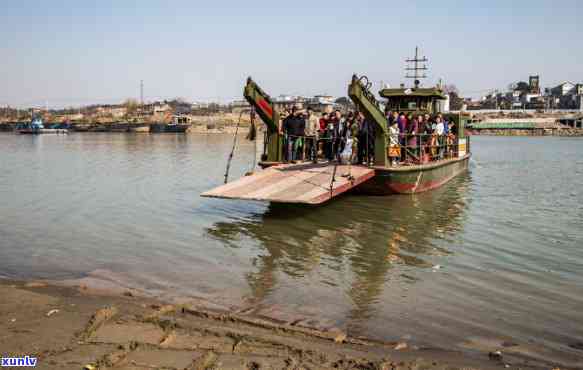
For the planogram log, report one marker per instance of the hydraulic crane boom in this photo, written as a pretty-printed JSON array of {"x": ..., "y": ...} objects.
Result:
[
  {"x": 266, "y": 110},
  {"x": 365, "y": 101}
]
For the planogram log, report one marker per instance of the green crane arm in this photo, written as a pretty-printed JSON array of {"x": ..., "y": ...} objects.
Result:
[
  {"x": 266, "y": 110},
  {"x": 262, "y": 103},
  {"x": 365, "y": 101}
]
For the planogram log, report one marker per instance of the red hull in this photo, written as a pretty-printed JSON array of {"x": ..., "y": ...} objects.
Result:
[{"x": 413, "y": 179}]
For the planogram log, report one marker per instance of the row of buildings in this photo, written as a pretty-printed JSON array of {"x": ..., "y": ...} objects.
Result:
[
  {"x": 161, "y": 111},
  {"x": 523, "y": 95},
  {"x": 320, "y": 103}
]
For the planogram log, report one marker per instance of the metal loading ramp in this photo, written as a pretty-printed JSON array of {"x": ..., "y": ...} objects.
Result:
[{"x": 295, "y": 183}]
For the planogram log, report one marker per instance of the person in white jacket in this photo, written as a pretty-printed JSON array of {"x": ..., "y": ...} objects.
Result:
[
  {"x": 440, "y": 131},
  {"x": 394, "y": 149}
]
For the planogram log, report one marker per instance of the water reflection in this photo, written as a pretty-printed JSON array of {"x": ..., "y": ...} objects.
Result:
[{"x": 372, "y": 241}]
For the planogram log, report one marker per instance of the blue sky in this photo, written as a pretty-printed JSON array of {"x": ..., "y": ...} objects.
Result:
[{"x": 75, "y": 52}]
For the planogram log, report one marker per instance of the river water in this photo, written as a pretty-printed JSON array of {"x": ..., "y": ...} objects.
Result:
[{"x": 493, "y": 258}]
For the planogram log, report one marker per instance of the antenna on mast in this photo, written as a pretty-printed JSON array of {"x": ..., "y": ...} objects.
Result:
[{"x": 418, "y": 68}]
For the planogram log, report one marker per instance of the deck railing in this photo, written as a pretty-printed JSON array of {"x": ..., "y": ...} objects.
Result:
[
  {"x": 424, "y": 148},
  {"x": 411, "y": 148}
]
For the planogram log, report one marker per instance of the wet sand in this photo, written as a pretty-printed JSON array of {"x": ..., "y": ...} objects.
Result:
[{"x": 76, "y": 327}]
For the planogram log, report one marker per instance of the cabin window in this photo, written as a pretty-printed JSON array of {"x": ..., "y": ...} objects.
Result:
[{"x": 412, "y": 105}]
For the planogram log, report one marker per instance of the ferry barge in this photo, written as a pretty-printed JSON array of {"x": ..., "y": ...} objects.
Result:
[{"x": 315, "y": 183}]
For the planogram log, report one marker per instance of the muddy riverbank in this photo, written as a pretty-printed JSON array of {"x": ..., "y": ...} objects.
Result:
[{"x": 72, "y": 328}]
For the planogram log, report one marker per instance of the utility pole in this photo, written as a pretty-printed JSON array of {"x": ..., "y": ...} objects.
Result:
[
  {"x": 418, "y": 65},
  {"x": 142, "y": 92}
]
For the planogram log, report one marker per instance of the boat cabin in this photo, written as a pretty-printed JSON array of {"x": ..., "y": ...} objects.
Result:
[
  {"x": 414, "y": 100},
  {"x": 180, "y": 119},
  {"x": 423, "y": 100}
]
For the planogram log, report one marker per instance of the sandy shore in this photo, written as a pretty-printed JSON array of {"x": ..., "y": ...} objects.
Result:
[{"x": 73, "y": 328}]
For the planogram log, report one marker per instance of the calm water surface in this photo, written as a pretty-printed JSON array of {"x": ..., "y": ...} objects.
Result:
[{"x": 494, "y": 255}]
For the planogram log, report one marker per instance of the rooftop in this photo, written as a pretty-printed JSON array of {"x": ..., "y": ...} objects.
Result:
[{"x": 429, "y": 92}]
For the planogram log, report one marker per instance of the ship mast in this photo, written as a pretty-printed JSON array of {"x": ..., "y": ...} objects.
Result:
[{"x": 417, "y": 66}]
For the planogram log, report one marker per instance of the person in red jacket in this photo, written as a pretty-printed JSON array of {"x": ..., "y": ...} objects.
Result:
[
  {"x": 322, "y": 131},
  {"x": 323, "y": 123}
]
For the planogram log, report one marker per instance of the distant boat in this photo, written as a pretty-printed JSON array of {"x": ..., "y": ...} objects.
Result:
[
  {"x": 158, "y": 127},
  {"x": 81, "y": 127},
  {"x": 98, "y": 128},
  {"x": 8, "y": 126},
  {"x": 139, "y": 127},
  {"x": 180, "y": 124},
  {"x": 178, "y": 127},
  {"x": 61, "y": 126},
  {"x": 36, "y": 127},
  {"x": 119, "y": 127}
]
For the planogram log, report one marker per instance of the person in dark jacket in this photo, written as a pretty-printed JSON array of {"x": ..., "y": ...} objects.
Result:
[
  {"x": 390, "y": 118},
  {"x": 366, "y": 140},
  {"x": 294, "y": 127},
  {"x": 285, "y": 128},
  {"x": 413, "y": 131},
  {"x": 338, "y": 121}
]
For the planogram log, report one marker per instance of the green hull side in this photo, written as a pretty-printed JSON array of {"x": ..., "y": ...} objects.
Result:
[{"x": 414, "y": 179}]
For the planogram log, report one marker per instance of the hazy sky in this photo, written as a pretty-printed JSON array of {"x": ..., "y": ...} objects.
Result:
[{"x": 74, "y": 52}]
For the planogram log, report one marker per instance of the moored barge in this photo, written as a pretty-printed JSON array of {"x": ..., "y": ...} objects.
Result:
[{"x": 36, "y": 127}]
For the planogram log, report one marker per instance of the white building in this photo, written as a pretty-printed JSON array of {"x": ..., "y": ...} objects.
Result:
[
  {"x": 199, "y": 105},
  {"x": 444, "y": 104},
  {"x": 322, "y": 100},
  {"x": 527, "y": 98},
  {"x": 563, "y": 89},
  {"x": 161, "y": 109}
]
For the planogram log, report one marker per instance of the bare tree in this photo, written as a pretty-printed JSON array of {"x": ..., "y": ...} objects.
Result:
[
  {"x": 131, "y": 106},
  {"x": 451, "y": 88},
  {"x": 455, "y": 100}
]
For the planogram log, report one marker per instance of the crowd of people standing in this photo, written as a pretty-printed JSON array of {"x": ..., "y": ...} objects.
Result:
[
  {"x": 333, "y": 136},
  {"x": 350, "y": 137},
  {"x": 420, "y": 138}
]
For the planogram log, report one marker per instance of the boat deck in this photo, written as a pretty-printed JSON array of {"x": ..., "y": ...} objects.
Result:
[{"x": 306, "y": 183}]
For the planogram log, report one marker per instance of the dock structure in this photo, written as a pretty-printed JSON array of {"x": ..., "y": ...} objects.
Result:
[{"x": 306, "y": 183}]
